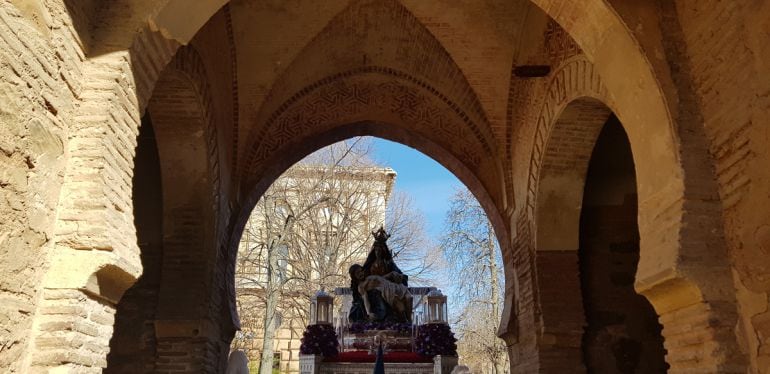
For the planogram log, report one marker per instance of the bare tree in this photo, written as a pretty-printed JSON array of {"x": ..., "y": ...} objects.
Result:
[
  {"x": 309, "y": 227},
  {"x": 473, "y": 259},
  {"x": 417, "y": 255}
]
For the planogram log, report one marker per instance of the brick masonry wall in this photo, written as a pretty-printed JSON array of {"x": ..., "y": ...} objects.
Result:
[
  {"x": 133, "y": 347},
  {"x": 192, "y": 322},
  {"x": 83, "y": 153},
  {"x": 40, "y": 76},
  {"x": 560, "y": 347},
  {"x": 701, "y": 211},
  {"x": 727, "y": 50},
  {"x": 551, "y": 349},
  {"x": 95, "y": 228},
  {"x": 524, "y": 351},
  {"x": 715, "y": 61},
  {"x": 43, "y": 53},
  {"x": 73, "y": 331}
]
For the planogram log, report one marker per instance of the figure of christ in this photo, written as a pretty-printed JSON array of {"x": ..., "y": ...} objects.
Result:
[{"x": 391, "y": 288}]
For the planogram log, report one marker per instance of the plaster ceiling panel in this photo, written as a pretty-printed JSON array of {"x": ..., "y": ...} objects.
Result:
[
  {"x": 382, "y": 37},
  {"x": 481, "y": 37},
  {"x": 268, "y": 36}
]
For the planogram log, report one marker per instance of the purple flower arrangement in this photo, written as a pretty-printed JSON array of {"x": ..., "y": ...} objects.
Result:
[
  {"x": 360, "y": 327},
  {"x": 319, "y": 339},
  {"x": 435, "y": 339}
]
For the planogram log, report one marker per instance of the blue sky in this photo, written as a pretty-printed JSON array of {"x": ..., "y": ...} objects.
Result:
[{"x": 428, "y": 183}]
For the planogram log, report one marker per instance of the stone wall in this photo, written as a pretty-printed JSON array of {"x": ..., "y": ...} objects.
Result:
[
  {"x": 40, "y": 76},
  {"x": 186, "y": 330},
  {"x": 726, "y": 45},
  {"x": 716, "y": 54},
  {"x": 688, "y": 80}
]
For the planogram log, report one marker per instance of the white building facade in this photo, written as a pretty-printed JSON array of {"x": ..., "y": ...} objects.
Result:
[{"x": 315, "y": 221}]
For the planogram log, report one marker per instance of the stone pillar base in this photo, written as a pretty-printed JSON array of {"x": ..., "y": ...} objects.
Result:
[
  {"x": 313, "y": 364},
  {"x": 444, "y": 364},
  {"x": 310, "y": 364}
]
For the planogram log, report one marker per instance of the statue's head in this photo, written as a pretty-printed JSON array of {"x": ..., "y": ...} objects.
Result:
[
  {"x": 380, "y": 246},
  {"x": 357, "y": 272},
  {"x": 380, "y": 236}
]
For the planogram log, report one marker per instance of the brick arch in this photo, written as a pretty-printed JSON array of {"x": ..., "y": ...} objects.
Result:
[
  {"x": 96, "y": 258},
  {"x": 377, "y": 37},
  {"x": 304, "y": 144},
  {"x": 562, "y": 173},
  {"x": 107, "y": 83},
  {"x": 174, "y": 314},
  {"x": 567, "y": 126},
  {"x": 184, "y": 83},
  {"x": 125, "y": 79},
  {"x": 644, "y": 110},
  {"x": 405, "y": 108},
  {"x": 377, "y": 94},
  {"x": 151, "y": 51},
  {"x": 666, "y": 195},
  {"x": 193, "y": 226},
  {"x": 574, "y": 80},
  {"x": 602, "y": 36},
  {"x": 299, "y": 147},
  {"x": 385, "y": 96},
  {"x": 295, "y": 150},
  {"x": 576, "y": 105},
  {"x": 668, "y": 156}
]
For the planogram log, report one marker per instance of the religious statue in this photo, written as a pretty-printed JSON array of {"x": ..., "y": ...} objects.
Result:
[
  {"x": 380, "y": 259},
  {"x": 395, "y": 294},
  {"x": 379, "y": 287}
]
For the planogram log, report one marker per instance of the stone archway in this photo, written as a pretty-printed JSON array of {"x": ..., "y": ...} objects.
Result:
[
  {"x": 375, "y": 95},
  {"x": 164, "y": 313},
  {"x": 641, "y": 105},
  {"x": 622, "y": 332},
  {"x": 294, "y": 151},
  {"x": 588, "y": 249},
  {"x": 577, "y": 105},
  {"x": 557, "y": 214},
  {"x": 383, "y": 102},
  {"x": 380, "y": 102},
  {"x": 305, "y": 145}
]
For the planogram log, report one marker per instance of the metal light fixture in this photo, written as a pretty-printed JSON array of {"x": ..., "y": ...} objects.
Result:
[
  {"x": 322, "y": 309},
  {"x": 435, "y": 308}
]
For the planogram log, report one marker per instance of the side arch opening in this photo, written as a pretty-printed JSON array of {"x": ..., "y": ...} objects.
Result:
[
  {"x": 302, "y": 146},
  {"x": 588, "y": 249},
  {"x": 175, "y": 187}
]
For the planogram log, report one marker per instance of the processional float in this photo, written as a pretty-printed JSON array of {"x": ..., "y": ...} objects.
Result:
[{"x": 378, "y": 310}]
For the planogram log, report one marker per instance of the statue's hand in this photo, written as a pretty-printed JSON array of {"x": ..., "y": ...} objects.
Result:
[{"x": 372, "y": 316}]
